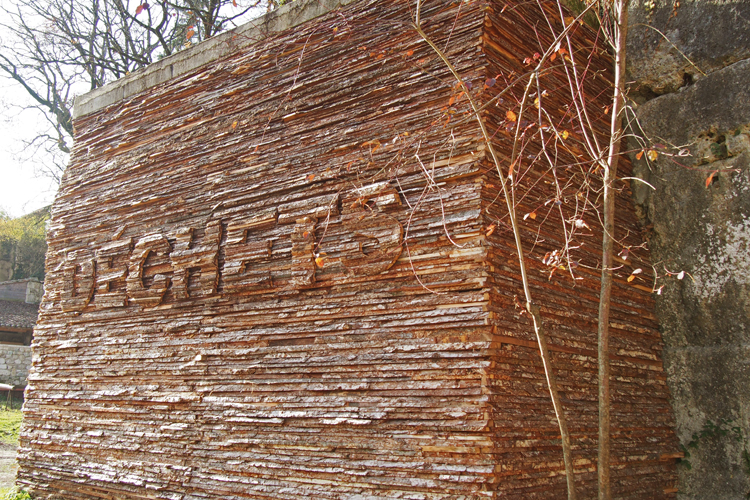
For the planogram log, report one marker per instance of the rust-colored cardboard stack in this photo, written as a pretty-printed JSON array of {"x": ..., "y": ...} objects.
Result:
[{"x": 287, "y": 273}]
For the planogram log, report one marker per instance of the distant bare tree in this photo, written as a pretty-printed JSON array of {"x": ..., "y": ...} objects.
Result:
[{"x": 59, "y": 48}]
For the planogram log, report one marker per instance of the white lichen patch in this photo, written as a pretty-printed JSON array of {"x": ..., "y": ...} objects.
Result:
[{"x": 727, "y": 259}]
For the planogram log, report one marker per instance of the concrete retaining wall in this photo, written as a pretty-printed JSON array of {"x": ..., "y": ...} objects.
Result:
[
  {"x": 28, "y": 290},
  {"x": 13, "y": 290},
  {"x": 696, "y": 55}
]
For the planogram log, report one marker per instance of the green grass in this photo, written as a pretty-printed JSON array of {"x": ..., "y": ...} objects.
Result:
[{"x": 10, "y": 426}]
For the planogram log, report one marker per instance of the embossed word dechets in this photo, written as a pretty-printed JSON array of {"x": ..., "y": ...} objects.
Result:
[{"x": 89, "y": 274}]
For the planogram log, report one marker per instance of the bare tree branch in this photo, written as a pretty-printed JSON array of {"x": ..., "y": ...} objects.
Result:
[{"x": 57, "y": 49}]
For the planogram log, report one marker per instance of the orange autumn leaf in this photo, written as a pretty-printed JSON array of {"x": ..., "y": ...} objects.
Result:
[
  {"x": 639, "y": 155},
  {"x": 652, "y": 155},
  {"x": 234, "y": 124},
  {"x": 710, "y": 178},
  {"x": 490, "y": 229},
  {"x": 511, "y": 116},
  {"x": 374, "y": 144},
  {"x": 319, "y": 261},
  {"x": 409, "y": 53},
  {"x": 632, "y": 275}
]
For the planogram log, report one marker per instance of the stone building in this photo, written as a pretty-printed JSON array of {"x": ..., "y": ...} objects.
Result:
[{"x": 19, "y": 308}]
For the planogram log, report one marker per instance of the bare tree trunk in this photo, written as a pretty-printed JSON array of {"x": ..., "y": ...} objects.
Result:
[{"x": 610, "y": 174}]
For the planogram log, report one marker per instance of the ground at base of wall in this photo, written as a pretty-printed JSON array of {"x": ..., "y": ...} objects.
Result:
[
  {"x": 8, "y": 465},
  {"x": 10, "y": 425}
]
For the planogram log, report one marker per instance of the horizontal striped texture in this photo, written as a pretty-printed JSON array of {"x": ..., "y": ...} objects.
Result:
[{"x": 274, "y": 278}]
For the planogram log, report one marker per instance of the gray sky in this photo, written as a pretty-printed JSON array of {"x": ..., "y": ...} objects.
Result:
[{"x": 21, "y": 190}]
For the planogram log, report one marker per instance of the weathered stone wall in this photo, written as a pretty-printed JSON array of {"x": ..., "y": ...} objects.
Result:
[
  {"x": 699, "y": 216},
  {"x": 15, "y": 361}
]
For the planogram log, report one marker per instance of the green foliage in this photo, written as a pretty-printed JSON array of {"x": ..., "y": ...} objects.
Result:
[
  {"x": 14, "y": 494},
  {"x": 711, "y": 430},
  {"x": 578, "y": 6},
  {"x": 10, "y": 426},
  {"x": 720, "y": 429},
  {"x": 719, "y": 150},
  {"x": 23, "y": 243}
]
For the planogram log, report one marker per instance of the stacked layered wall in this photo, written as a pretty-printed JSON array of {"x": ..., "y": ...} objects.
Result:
[
  {"x": 273, "y": 277},
  {"x": 558, "y": 202}
]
